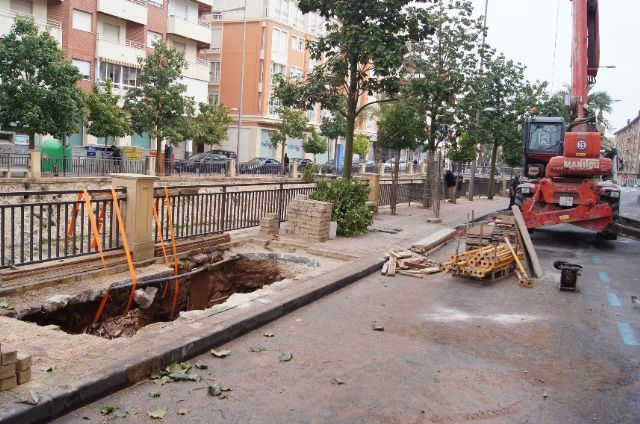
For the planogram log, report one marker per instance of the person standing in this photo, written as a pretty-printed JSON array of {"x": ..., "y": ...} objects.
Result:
[
  {"x": 286, "y": 164},
  {"x": 513, "y": 185},
  {"x": 450, "y": 181},
  {"x": 168, "y": 151},
  {"x": 116, "y": 155}
]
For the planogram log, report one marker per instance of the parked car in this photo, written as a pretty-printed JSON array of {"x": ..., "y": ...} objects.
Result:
[
  {"x": 260, "y": 166},
  {"x": 208, "y": 162},
  {"x": 390, "y": 164},
  {"x": 329, "y": 167},
  {"x": 227, "y": 153},
  {"x": 304, "y": 164}
]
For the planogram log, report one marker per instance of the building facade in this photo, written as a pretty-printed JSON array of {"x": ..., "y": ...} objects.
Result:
[
  {"x": 627, "y": 142},
  {"x": 105, "y": 38},
  {"x": 276, "y": 35}
]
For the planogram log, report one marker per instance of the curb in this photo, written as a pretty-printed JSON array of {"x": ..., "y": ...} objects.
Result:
[{"x": 64, "y": 399}]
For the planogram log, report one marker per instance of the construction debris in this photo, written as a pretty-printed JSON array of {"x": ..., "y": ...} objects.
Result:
[
  {"x": 434, "y": 241},
  {"x": 493, "y": 262},
  {"x": 15, "y": 368},
  {"x": 406, "y": 262}
]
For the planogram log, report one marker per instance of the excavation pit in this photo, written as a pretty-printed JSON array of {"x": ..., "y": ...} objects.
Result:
[{"x": 201, "y": 288}]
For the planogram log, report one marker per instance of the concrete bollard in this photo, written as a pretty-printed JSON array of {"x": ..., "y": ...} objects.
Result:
[
  {"x": 362, "y": 167},
  {"x": 380, "y": 169},
  {"x": 230, "y": 168},
  {"x": 410, "y": 168},
  {"x": 35, "y": 164},
  {"x": 293, "y": 169},
  {"x": 138, "y": 216},
  {"x": 423, "y": 168},
  {"x": 150, "y": 166}
]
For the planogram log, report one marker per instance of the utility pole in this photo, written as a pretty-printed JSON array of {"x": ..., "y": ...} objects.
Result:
[
  {"x": 472, "y": 176},
  {"x": 244, "y": 46}
]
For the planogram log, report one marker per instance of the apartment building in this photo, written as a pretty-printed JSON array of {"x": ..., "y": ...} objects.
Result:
[
  {"x": 276, "y": 34},
  {"x": 105, "y": 38},
  {"x": 627, "y": 142}
]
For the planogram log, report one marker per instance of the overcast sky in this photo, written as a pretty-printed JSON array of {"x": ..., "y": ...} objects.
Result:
[{"x": 525, "y": 31}]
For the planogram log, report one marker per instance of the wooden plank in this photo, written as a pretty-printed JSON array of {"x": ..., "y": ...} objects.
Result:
[
  {"x": 392, "y": 267},
  {"x": 410, "y": 274},
  {"x": 536, "y": 267},
  {"x": 385, "y": 268},
  {"x": 199, "y": 291},
  {"x": 435, "y": 239}
]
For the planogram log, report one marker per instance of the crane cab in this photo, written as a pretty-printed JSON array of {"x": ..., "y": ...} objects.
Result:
[{"x": 543, "y": 139}]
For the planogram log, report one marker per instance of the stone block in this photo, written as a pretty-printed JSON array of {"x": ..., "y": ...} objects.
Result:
[
  {"x": 8, "y": 383},
  {"x": 24, "y": 361},
  {"x": 7, "y": 371},
  {"x": 8, "y": 356},
  {"x": 24, "y": 376}
]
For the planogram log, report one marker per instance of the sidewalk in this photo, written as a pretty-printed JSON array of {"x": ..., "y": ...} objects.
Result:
[{"x": 88, "y": 367}]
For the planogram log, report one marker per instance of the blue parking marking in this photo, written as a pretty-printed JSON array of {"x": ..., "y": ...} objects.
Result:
[
  {"x": 613, "y": 300},
  {"x": 627, "y": 334},
  {"x": 597, "y": 260},
  {"x": 604, "y": 277}
]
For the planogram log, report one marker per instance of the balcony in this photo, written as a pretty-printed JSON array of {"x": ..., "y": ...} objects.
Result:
[
  {"x": 192, "y": 29},
  {"x": 198, "y": 70},
  {"x": 120, "y": 51},
  {"x": 129, "y": 10},
  {"x": 52, "y": 27},
  {"x": 214, "y": 78}
]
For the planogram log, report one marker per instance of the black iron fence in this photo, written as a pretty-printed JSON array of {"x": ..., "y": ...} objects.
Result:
[
  {"x": 13, "y": 161},
  {"x": 206, "y": 209},
  {"x": 259, "y": 169},
  {"x": 88, "y": 166},
  {"x": 186, "y": 166},
  {"x": 40, "y": 226},
  {"x": 408, "y": 191}
]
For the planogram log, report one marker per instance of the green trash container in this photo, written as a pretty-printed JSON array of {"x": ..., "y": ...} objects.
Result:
[{"x": 52, "y": 155}]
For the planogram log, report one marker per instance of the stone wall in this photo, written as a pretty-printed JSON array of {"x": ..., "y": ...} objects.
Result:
[{"x": 308, "y": 219}]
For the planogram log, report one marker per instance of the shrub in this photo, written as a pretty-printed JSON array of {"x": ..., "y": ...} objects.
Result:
[
  {"x": 309, "y": 173},
  {"x": 349, "y": 199}
]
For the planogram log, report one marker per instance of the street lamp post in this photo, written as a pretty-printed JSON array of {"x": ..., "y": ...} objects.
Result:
[
  {"x": 244, "y": 44},
  {"x": 472, "y": 176}
]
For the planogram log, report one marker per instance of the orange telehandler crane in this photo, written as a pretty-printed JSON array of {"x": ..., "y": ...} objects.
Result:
[{"x": 569, "y": 180}]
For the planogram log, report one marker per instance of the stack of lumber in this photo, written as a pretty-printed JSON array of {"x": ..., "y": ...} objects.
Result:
[
  {"x": 405, "y": 262},
  {"x": 480, "y": 235},
  {"x": 505, "y": 226},
  {"x": 480, "y": 263}
]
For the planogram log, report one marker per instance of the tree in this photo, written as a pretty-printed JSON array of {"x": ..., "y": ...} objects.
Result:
[
  {"x": 442, "y": 69},
  {"x": 104, "y": 117},
  {"x": 158, "y": 106},
  {"x": 362, "y": 36},
  {"x": 462, "y": 149},
  {"x": 314, "y": 144},
  {"x": 600, "y": 102},
  {"x": 292, "y": 124},
  {"x": 505, "y": 97},
  {"x": 333, "y": 127},
  {"x": 38, "y": 92},
  {"x": 211, "y": 124},
  {"x": 361, "y": 145},
  {"x": 400, "y": 127}
]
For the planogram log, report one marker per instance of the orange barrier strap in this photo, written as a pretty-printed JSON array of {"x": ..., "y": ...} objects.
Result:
[
  {"x": 96, "y": 237},
  {"x": 127, "y": 252},
  {"x": 74, "y": 215},
  {"x": 173, "y": 246},
  {"x": 164, "y": 250}
]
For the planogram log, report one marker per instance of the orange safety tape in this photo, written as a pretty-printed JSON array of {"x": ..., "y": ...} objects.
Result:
[
  {"x": 74, "y": 215},
  {"x": 173, "y": 246},
  {"x": 127, "y": 252},
  {"x": 95, "y": 231},
  {"x": 164, "y": 250}
]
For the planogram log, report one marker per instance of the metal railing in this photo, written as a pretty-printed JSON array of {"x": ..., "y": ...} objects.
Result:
[
  {"x": 207, "y": 209},
  {"x": 259, "y": 169},
  {"x": 198, "y": 168},
  {"x": 408, "y": 191},
  {"x": 41, "y": 226},
  {"x": 82, "y": 166},
  {"x": 13, "y": 161}
]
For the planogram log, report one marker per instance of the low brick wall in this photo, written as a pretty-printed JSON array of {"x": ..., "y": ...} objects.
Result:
[{"x": 308, "y": 219}]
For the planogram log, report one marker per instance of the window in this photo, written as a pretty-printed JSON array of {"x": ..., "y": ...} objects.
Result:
[
  {"x": 298, "y": 19},
  {"x": 277, "y": 69},
  {"x": 157, "y": 3},
  {"x": 297, "y": 43},
  {"x": 22, "y": 7},
  {"x": 311, "y": 114},
  {"x": 152, "y": 37},
  {"x": 273, "y": 105},
  {"x": 295, "y": 73},
  {"x": 214, "y": 99},
  {"x": 179, "y": 46},
  {"x": 83, "y": 66},
  {"x": 214, "y": 71},
  {"x": 111, "y": 32},
  {"x": 279, "y": 45},
  {"x": 82, "y": 20},
  {"x": 122, "y": 76}
]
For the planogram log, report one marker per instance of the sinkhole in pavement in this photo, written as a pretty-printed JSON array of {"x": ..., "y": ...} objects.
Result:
[{"x": 242, "y": 274}]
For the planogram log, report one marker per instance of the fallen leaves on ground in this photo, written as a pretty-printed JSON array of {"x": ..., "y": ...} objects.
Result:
[
  {"x": 158, "y": 413},
  {"x": 107, "y": 409},
  {"x": 153, "y": 394},
  {"x": 201, "y": 366},
  {"x": 337, "y": 381},
  {"x": 184, "y": 377},
  {"x": 378, "y": 327},
  {"x": 285, "y": 356},
  {"x": 257, "y": 349},
  {"x": 268, "y": 334},
  {"x": 182, "y": 411}
]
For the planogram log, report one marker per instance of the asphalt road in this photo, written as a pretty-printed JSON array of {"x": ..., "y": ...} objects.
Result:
[
  {"x": 452, "y": 350},
  {"x": 630, "y": 202}
]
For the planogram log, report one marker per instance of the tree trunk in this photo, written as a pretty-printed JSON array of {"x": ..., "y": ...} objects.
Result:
[
  {"x": 394, "y": 183},
  {"x": 32, "y": 141},
  {"x": 352, "y": 105},
  {"x": 492, "y": 169},
  {"x": 348, "y": 147},
  {"x": 159, "y": 157}
]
